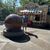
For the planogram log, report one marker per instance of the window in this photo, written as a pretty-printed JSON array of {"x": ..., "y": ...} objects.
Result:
[{"x": 37, "y": 18}]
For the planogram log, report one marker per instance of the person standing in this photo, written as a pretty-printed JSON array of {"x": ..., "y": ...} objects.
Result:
[{"x": 24, "y": 22}]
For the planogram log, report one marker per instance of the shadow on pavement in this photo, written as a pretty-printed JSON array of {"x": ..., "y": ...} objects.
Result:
[
  {"x": 22, "y": 39},
  {"x": 41, "y": 26},
  {"x": 30, "y": 34}
]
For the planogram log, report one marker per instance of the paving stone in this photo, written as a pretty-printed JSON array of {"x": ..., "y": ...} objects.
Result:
[{"x": 40, "y": 43}]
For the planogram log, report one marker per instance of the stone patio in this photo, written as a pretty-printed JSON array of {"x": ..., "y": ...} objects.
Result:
[{"x": 40, "y": 43}]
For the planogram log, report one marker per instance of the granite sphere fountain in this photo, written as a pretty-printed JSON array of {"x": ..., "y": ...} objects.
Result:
[{"x": 13, "y": 25}]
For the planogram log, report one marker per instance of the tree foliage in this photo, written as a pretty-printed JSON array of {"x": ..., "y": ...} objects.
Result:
[
  {"x": 7, "y": 8},
  {"x": 23, "y": 2},
  {"x": 48, "y": 1}
]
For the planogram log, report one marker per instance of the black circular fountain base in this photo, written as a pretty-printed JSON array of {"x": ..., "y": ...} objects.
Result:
[
  {"x": 12, "y": 33},
  {"x": 20, "y": 36}
]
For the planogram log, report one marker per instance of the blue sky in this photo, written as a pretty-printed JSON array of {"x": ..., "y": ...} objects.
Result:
[{"x": 18, "y": 2}]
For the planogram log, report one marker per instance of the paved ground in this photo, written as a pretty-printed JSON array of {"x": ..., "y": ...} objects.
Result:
[{"x": 40, "y": 43}]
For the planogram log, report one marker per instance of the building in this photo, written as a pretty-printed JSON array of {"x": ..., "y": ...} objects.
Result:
[{"x": 36, "y": 13}]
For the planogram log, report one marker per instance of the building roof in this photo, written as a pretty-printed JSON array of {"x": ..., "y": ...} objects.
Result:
[{"x": 34, "y": 11}]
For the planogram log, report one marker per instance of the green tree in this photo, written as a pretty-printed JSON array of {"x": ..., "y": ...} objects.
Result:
[
  {"x": 1, "y": 3},
  {"x": 23, "y": 2},
  {"x": 42, "y": 1},
  {"x": 7, "y": 8},
  {"x": 48, "y": 1},
  {"x": 10, "y": 3}
]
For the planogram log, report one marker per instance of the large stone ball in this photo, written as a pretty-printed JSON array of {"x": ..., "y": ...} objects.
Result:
[{"x": 13, "y": 21}]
